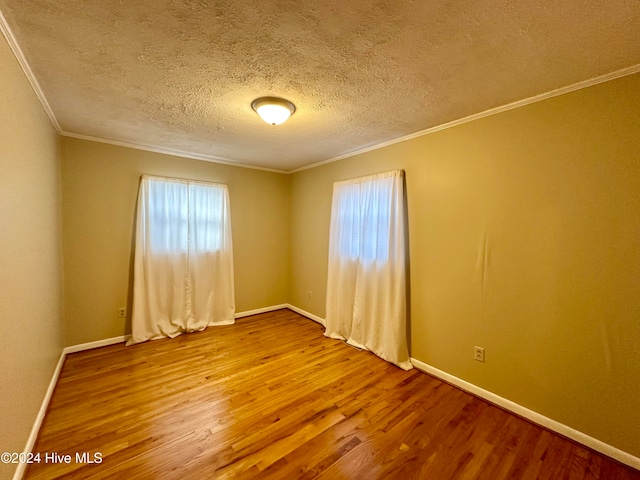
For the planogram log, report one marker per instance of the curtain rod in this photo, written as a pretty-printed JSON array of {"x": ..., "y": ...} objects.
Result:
[{"x": 179, "y": 180}]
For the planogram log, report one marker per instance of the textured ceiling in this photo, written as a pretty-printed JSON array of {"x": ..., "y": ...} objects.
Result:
[{"x": 181, "y": 74}]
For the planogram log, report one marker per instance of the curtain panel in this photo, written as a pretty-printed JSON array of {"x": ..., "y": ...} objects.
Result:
[
  {"x": 183, "y": 265},
  {"x": 366, "y": 283}
]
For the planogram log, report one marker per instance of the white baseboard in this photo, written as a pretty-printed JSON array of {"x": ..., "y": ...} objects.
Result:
[
  {"x": 33, "y": 436},
  {"x": 19, "y": 473},
  {"x": 513, "y": 407},
  {"x": 532, "y": 416},
  {"x": 97, "y": 344},
  {"x": 123, "y": 338},
  {"x": 260, "y": 310},
  {"x": 304, "y": 313}
]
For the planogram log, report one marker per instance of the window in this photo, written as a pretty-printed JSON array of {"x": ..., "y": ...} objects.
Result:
[
  {"x": 183, "y": 266},
  {"x": 185, "y": 213},
  {"x": 366, "y": 295},
  {"x": 363, "y": 219}
]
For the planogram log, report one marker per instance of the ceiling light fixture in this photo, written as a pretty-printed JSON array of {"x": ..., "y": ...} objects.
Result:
[{"x": 273, "y": 110}]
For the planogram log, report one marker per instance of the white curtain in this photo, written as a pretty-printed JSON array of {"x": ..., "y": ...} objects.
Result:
[
  {"x": 366, "y": 293},
  {"x": 183, "y": 267}
]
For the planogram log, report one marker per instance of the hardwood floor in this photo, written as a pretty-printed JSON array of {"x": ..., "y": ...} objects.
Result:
[{"x": 271, "y": 398}]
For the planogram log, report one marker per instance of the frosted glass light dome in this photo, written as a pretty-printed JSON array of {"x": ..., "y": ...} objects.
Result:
[{"x": 273, "y": 110}]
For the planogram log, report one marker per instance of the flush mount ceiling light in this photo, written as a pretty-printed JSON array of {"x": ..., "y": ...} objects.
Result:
[{"x": 273, "y": 110}]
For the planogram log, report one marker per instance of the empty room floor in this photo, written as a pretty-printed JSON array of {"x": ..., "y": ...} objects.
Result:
[{"x": 271, "y": 398}]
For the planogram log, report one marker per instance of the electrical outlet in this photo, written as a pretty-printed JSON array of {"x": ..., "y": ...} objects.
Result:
[
  {"x": 478, "y": 353},
  {"x": 309, "y": 294},
  {"x": 122, "y": 312}
]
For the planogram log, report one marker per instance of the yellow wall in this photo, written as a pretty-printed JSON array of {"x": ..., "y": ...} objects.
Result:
[
  {"x": 551, "y": 193},
  {"x": 524, "y": 233},
  {"x": 99, "y": 193},
  {"x": 31, "y": 335}
]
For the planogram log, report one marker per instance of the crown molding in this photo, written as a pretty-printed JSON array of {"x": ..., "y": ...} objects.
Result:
[
  {"x": 171, "y": 151},
  {"x": 17, "y": 52},
  {"x": 13, "y": 44},
  {"x": 454, "y": 123},
  {"x": 487, "y": 113},
  {"x": 22, "y": 61}
]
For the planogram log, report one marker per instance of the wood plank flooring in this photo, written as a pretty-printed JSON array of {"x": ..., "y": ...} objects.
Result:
[{"x": 271, "y": 398}]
